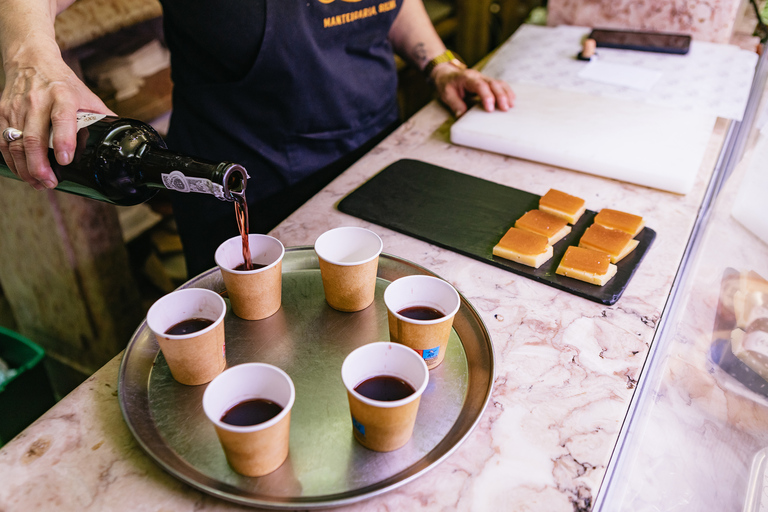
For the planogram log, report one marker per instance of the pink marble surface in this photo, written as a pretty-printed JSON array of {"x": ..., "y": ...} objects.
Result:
[
  {"x": 566, "y": 367},
  {"x": 713, "y": 20}
]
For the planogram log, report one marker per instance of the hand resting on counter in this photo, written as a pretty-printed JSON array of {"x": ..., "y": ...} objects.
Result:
[{"x": 455, "y": 86}]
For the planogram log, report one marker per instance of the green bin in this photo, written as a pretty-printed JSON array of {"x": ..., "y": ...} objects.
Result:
[{"x": 26, "y": 395}]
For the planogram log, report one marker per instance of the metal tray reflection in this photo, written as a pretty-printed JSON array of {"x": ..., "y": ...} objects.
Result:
[{"x": 308, "y": 339}]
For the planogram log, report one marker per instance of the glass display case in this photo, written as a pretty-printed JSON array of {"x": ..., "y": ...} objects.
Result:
[{"x": 696, "y": 434}]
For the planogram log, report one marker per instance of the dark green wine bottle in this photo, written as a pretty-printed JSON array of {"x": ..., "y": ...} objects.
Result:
[{"x": 125, "y": 162}]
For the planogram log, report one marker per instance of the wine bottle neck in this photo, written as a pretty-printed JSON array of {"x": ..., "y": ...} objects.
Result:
[{"x": 164, "y": 168}]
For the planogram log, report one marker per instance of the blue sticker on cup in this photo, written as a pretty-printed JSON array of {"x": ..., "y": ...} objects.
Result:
[
  {"x": 358, "y": 426},
  {"x": 430, "y": 353}
]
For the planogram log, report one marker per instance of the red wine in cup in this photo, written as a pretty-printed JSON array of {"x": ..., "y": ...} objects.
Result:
[
  {"x": 385, "y": 388},
  {"x": 189, "y": 326},
  {"x": 251, "y": 412},
  {"x": 421, "y": 313},
  {"x": 254, "y": 266}
]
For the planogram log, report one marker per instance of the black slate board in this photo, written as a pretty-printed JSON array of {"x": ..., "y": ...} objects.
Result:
[{"x": 469, "y": 215}]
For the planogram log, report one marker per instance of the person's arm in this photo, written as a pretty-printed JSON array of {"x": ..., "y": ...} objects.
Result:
[
  {"x": 414, "y": 38},
  {"x": 41, "y": 92}
]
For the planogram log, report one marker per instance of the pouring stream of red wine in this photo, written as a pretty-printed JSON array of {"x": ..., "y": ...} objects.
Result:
[{"x": 241, "y": 213}]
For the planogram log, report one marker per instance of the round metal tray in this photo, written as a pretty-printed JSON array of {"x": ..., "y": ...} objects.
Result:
[{"x": 308, "y": 339}]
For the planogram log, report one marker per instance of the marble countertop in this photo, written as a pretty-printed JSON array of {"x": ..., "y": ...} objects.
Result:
[{"x": 566, "y": 368}]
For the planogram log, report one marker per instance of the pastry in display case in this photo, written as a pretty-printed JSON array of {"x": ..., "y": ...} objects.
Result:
[{"x": 740, "y": 345}]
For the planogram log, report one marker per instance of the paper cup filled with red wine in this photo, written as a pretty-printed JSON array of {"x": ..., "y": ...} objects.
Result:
[
  {"x": 250, "y": 408},
  {"x": 349, "y": 261},
  {"x": 189, "y": 327},
  {"x": 420, "y": 310},
  {"x": 384, "y": 384},
  {"x": 252, "y": 273}
]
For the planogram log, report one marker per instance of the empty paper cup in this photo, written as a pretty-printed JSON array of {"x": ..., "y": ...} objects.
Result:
[
  {"x": 189, "y": 327},
  {"x": 250, "y": 408},
  {"x": 420, "y": 310},
  {"x": 349, "y": 262},
  {"x": 257, "y": 293},
  {"x": 384, "y": 384}
]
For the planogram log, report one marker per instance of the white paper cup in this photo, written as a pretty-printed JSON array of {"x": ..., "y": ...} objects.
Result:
[
  {"x": 254, "y": 294},
  {"x": 349, "y": 262},
  {"x": 429, "y": 338},
  {"x": 253, "y": 450},
  {"x": 378, "y": 425},
  {"x": 197, "y": 357}
]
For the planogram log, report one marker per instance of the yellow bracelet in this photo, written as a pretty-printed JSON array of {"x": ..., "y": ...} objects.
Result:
[{"x": 446, "y": 56}]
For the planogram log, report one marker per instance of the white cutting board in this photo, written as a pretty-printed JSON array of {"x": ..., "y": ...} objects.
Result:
[{"x": 630, "y": 141}]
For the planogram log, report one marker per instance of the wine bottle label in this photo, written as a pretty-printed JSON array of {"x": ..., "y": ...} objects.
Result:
[
  {"x": 177, "y": 180},
  {"x": 83, "y": 119},
  {"x": 88, "y": 118}
]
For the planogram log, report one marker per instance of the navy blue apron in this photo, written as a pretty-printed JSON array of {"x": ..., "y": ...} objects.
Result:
[{"x": 322, "y": 85}]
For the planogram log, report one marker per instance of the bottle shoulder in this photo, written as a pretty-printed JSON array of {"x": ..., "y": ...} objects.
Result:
[{"x": 126, "y": 131}]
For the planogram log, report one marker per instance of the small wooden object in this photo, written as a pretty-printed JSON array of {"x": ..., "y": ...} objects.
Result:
[{"x": 588, "y": 50}]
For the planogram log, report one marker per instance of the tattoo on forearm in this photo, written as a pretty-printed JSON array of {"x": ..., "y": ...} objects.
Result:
[{"x": 419, "y": 53}]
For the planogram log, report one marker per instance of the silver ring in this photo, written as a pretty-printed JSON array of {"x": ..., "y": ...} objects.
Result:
[{"x": 11, "y": 134}]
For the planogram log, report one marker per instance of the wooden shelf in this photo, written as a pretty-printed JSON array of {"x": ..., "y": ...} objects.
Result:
[{"x": 87, "y": 20}]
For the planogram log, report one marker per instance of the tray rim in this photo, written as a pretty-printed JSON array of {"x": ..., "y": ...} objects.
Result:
[{"x": 409, "y": 474}]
